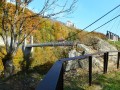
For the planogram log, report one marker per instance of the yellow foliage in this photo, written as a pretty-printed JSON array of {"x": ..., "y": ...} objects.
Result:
[
  {"x": 44, "y": 55},
  {"x": 19, "y": 54},
  {"x": 17, "y": 59},
  {"x": 1, "y": 65},
  {"x": 2, "y": 53},
  {"x": 46, "y": 31}
]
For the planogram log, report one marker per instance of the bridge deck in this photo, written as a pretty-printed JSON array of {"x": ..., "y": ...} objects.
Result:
[{"x": 65, "y": 43}]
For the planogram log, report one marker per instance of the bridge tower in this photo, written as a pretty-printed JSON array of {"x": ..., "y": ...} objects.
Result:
[{"x": 27, "y": 52}]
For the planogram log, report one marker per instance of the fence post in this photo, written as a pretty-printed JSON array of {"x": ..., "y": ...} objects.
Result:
[
  {"x": 90, "y": 70},
  {"x": 107, "y": 57},
  {"x": 105, "y": 61},
  {"x": 118, "y": 60},
  {"x": 60, "y": 84}
]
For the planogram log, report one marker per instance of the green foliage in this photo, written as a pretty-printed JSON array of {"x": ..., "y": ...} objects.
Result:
[{"x": 72, "y": 36}]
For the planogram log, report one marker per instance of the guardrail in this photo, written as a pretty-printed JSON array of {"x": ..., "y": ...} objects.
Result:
[{"x": 54, "y": 78}]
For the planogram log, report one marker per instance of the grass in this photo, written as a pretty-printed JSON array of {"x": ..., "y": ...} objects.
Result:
[
  {"x": 115, "y": 43},
  {"x": 109, "y": 81}
]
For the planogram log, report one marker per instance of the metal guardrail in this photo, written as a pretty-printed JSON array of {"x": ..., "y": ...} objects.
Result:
[{"x": 54, "y": 78}]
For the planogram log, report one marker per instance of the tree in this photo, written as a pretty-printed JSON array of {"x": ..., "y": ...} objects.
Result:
[
  {"x": 72, "y": 36},
  {"x": 17, "y": 20}
]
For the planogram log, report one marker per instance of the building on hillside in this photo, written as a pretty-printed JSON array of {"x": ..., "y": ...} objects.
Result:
[
  {"x": 70, "y": 24},
  {"x": 112, "y": 36}
]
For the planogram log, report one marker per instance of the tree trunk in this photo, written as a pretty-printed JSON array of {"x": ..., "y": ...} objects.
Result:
[{"x": 8, "y": 65}]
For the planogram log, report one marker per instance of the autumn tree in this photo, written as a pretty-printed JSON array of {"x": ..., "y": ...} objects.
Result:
[{"x": 17, "y": 20}]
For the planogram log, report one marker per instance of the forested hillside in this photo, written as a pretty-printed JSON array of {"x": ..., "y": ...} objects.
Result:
[
  {"x": 48, "y": 30},
  {"x": 27, "y": 70}
]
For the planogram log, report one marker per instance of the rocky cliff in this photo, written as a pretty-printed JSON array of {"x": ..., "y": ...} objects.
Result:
[{"x": 94, "y": 45}]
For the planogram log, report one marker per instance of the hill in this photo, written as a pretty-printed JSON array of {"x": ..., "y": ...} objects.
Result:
[
  {"x": 50, "y": 30},
  {"x": 43, "y": 57}
]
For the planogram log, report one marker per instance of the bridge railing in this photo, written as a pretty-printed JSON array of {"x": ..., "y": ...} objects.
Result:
[{"x": 54, "y": 78}]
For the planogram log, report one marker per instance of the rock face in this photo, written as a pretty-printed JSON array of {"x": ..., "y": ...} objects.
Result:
[
  {"x": 75, "y": 63},
  {"x": 105, "y": 46},
  {"x": 89, "y": 50},
  {"x": 102, "y": 45},
  {"x": 99, "y": 46}
]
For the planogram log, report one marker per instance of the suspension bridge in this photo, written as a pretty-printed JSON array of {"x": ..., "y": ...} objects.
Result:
[
  {"x": 55, "y": 74},
  {"x": 55, "y": 77}
]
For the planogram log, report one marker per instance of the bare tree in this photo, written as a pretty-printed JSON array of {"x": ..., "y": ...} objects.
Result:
[{"x": 15, "y": 19}]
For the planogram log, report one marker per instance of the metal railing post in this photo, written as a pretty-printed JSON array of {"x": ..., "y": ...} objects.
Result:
[
  {"x": 105, "y": 61},
  {"x": 60, "y": 84},
  {"x": 107, "y": 57},
  {"x": 54, "y": 79},
  {"x": 90, "y": 70},
  {"x": 118, "y": 60}
]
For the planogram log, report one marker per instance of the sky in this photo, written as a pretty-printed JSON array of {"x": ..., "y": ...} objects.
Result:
[{"x": 86, "y": 12}]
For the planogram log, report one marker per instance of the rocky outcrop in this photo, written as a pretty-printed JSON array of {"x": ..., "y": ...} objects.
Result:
[
  {"x": 99, "y": 46},
  {"x": 102, "y": 45},
  {"x": 105, "y": 46},
  {"x": 75, "y": 63},
  {"x": 89, "y": 50},
  {"x": 82, "y": 63}
]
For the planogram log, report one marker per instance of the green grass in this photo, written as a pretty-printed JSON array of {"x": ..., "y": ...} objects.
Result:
[
  {"x": 109, "y": 81},
  {"x": 115, "y": 43}
]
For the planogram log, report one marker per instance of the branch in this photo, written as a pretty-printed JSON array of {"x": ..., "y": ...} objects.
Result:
[
  {"x": 63, "y": 10},
  {"x": 48, "y": 7}
]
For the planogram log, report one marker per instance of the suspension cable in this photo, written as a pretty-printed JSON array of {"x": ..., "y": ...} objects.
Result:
[
  {"x": 95, "y": 21},
  {"x": 103, "y": 24}
]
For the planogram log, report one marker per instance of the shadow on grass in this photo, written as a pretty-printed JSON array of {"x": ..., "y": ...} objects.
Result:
[
  {"x": 41, "y": 69},
  {"x": 75, "y": 80},
  {"x": 109, "y": 81},
  {"x": 73, "y": 86},
  {"x": 25, "y": 81}
]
